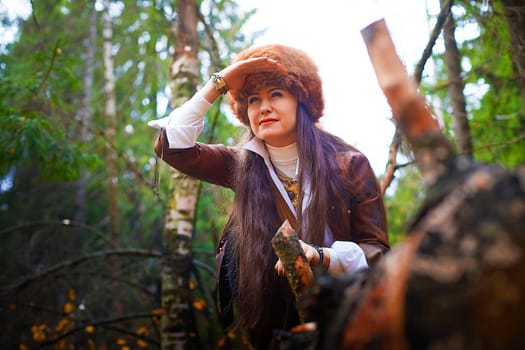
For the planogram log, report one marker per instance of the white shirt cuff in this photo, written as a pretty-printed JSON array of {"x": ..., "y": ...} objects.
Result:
[
  {"x": 346, "y": 257},
  {"x": 184, "y": 124}
]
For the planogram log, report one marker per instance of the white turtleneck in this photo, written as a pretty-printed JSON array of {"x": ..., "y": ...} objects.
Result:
[{"x": 285, "y": 159}]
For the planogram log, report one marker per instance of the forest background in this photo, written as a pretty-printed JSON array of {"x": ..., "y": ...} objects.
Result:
[{"x": 101, "y": 246}]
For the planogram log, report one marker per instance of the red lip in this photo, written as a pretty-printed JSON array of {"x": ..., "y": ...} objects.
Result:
[{"x": 267, "y": 121}]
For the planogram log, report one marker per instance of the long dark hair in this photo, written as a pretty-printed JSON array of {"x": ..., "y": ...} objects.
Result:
[{"x": 262, "y": 296}]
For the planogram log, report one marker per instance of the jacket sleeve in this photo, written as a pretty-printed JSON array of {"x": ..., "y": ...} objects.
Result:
[
  {"x": 211, "y": 163},
  {"x": 368, "y": 223}
]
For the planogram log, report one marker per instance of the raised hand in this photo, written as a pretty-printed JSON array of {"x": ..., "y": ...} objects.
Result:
[{"x": 235, "y": 74}]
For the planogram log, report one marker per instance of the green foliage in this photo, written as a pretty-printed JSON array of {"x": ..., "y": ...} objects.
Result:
[
  {"x": 32, "y": 130},
  {"x": 498, "y": 116},
  {"x": 402, "y": 201},
  {"x": 44, "y": 138},
  {"x": 495, "y": 108},
  {"x": 34, "y": 140}
]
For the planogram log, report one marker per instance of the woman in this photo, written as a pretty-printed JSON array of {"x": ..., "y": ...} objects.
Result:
[{"x": 288, "y": 168}]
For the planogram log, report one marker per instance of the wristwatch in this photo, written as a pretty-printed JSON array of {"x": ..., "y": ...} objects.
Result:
[
  {"x": 220, "y": 84},
  {"x": 319, "y": 251}
]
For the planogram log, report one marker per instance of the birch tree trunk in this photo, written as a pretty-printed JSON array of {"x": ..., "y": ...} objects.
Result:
[
  {"x": 178, "y": 325},
  {"x": 455, "y": 87},
  {"x": 110, "y": 115}
]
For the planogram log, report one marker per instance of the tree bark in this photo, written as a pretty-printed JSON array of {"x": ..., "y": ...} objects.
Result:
[
  {"x": 455, "y": 87},
  {"x": 418, "y": 73},
  {"x": 298, "y": 272},
  {"x": 110, "y": 115},
  {"x": 178, "y": 326},
  {"x": 177, "y": 321},
  {"x": 409, "y": 109}
]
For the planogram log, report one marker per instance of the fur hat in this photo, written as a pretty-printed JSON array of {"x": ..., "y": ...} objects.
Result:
[{"x": 298, "y": 74}]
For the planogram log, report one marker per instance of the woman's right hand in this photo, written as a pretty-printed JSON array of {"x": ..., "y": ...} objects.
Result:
[
  {"x": 311, "y": 254},
  {"x": 235, "y": 74}
]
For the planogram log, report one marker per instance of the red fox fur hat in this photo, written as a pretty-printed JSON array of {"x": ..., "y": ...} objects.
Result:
[{"x": 298, "y": 74}]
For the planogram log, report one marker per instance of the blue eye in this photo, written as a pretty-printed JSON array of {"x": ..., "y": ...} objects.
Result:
[
  {"x": 277, "y": 94},
  {"x": 252, "y": 99}
]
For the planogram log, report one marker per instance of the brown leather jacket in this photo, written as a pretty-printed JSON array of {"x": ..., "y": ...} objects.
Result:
[{"x": 366, "y": 224}]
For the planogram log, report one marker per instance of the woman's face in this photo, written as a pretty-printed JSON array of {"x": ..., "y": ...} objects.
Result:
[{"x": 272, "y": 112}]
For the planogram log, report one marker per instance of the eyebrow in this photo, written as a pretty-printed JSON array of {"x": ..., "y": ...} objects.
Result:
[
  {"x": 268, "y": 90},
  {"x": 273, "y": 88}
]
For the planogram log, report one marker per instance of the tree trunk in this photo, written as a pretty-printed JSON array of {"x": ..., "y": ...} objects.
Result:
[
  {"x": 177, "y": 321},
  {"x": 514, "y": 11},
  {"x": 178, "y": 324},
  {"x": 455, "y": 87},
  {"x": 84, "y": 113},
  {"x": 110, "y": 115}
]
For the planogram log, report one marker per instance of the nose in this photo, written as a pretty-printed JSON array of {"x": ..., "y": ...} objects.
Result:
[{"x": 266, "y": 106}]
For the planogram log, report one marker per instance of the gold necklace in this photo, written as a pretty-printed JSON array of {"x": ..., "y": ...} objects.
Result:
[{"x": 291, "y": 187}]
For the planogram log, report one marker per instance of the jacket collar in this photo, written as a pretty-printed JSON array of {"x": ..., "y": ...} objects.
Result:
[{"x": 257, "y": 146}]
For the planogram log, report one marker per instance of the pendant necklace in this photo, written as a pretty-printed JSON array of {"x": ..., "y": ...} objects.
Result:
[{"x": 291, "y": 185}]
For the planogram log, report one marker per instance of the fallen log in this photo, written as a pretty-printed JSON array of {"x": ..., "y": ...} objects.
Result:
[{"x": 458, "y": 280}]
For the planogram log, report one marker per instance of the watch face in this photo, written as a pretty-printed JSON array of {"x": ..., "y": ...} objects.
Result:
[{"x": 220, "y": 84}]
